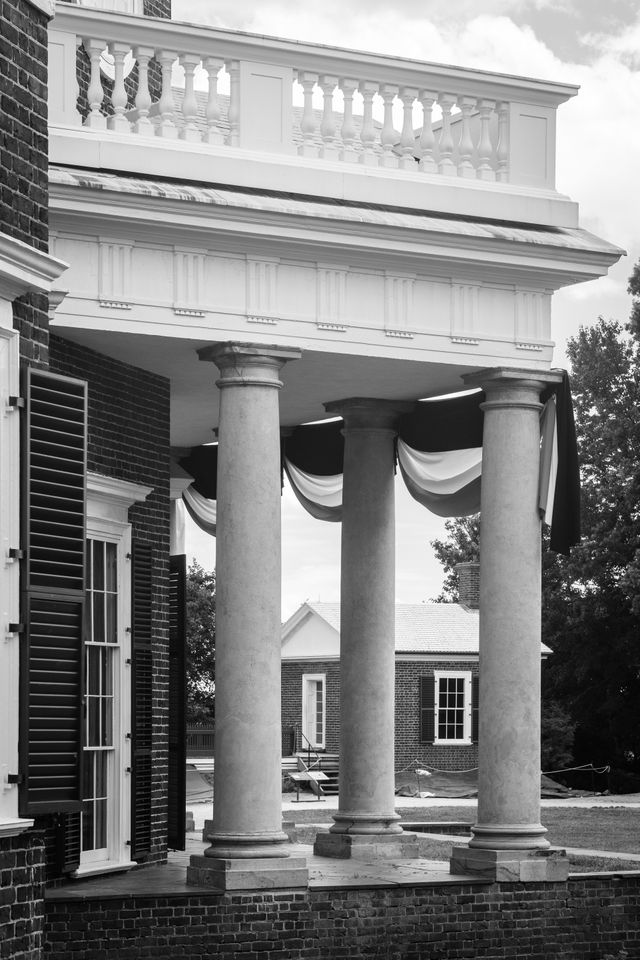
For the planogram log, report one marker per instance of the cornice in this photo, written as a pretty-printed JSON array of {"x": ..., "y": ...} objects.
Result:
[
  {"x": 24, "y": 269},
  {"x": 369, "y": 244},
  {"x": 114, "y": 496}
]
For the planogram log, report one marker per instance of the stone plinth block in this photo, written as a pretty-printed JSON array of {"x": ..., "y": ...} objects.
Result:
[
  {"x": 272, "y": 873},
  {"x": 359, "y": 846},
  {"x": 549, "y": 865}
]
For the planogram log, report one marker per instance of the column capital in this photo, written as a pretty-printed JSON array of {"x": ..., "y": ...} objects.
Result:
[
  {"x": 504, "y": 378},
  {"x": 368, "y": 413},
  {"x": 248, "y": 364}
]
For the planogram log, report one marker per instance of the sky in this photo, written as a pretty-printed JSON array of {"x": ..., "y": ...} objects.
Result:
[{"x": 585, "y": 42}]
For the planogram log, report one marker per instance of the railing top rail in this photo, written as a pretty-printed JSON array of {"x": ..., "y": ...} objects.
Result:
[{"x": 230, "y": 44}]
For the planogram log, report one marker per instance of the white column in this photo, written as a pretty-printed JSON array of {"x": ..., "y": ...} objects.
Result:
[
  {"x": 508, "y": 840},
  {"x": 366, "y": 819},
  {"x": 247, "y": 841}
]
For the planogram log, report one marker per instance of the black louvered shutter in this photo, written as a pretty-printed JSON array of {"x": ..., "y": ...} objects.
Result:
[
  {"x": 427, "y": 709},
  {"x": 177, "y": 703},
  {"x": 54, "y": 508},
  {"x": 475, "y": 708},
  {"x": 142, "y": 704}
]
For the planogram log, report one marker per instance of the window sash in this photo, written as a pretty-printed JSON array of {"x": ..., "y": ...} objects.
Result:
[{"x": 452, "y": 707}]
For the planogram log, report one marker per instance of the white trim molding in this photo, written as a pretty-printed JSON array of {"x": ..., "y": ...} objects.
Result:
[
  {"x": 111, "y": 499},
  {"x": 26, "y": 270},
  {"x": 307, "y": 723},
  {"x": 10, "y": 823},
  {"x": 466, "y": 676},
  {"x": 13, "y": 828}
]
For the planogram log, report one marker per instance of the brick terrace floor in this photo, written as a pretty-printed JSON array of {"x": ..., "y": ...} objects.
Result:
[{"x": 324, "y": 874}]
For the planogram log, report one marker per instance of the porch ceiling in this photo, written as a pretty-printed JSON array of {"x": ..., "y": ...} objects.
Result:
[{"x": 315, "y": 379}]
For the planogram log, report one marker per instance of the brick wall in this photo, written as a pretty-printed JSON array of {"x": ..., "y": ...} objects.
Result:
[
  {"x": 581, "y": 919},
  {"x": 292, "y": 674},
  {"x": 129, "y": 440},
  {"x": 407, "y": 715},
  {"x": 469, "y": 584},
  {"x": 21, "y": 891},
  {"x": 23, "y": 154}
]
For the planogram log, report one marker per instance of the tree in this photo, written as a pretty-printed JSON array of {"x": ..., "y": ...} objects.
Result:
[
  {"x": 462, "y": 546},
  {"x": 591, "y": 600},
  {"x": 201, "y": 633}
]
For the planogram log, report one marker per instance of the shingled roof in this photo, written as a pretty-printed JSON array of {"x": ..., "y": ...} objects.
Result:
[{"x": 422, "y": 627}]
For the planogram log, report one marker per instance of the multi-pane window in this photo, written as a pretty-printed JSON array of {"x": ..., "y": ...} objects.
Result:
[
  {"x": 313, "y": 710},
  {"x": 452, "y": 707},
  {"x": 101, "y": 666}
]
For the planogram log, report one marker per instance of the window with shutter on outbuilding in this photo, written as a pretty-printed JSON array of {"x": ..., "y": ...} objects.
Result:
[{"x": 427, "y": 709}]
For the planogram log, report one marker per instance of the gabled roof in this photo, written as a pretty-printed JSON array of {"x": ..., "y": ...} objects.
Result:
[
  {"x": 420, "y": 627},
  {"x": 423, "y": 627}
]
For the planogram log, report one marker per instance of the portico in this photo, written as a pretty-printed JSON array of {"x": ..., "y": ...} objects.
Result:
[
  {"x": 334, "y": 267},
  {"x": 248, "y": 848}
]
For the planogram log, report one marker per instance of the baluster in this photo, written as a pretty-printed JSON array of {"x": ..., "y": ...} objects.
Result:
[
  {"x": 166, "y": 107},
  {"x": 309, "y": 146},
  {"x": 118, "y": 121},
  {"x": 408, "y": 138},
  {"x": 233, "y": 137},
  {"x": 214, "y": 134},
  {"x": 389, "y": 136},
  {"x": 143, "y": 125},
  {"x": 485, "y": 169},
  {"x": 427, "y": 139},
  {"x": 465, "y": 146},
  {"x": 190, "y": 131},
  {"x": 446, "y": 166},
  {"x": 329, "y": 148},
  {"x": 95, "y": 93},
  {"x": 502, "y": 152},
  {"x": 368, "y": 131},
  {"x": 348, "y": 129}
]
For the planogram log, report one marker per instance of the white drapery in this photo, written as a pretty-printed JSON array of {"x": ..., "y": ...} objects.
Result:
[{"x": 446, "y": 483}]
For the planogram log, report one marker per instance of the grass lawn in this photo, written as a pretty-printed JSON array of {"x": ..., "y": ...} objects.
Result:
[{"x": 600, "y": 828}]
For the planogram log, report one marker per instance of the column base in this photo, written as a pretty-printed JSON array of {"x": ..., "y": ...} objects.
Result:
[
  {"x": 549, "y": 864},
  {"x": 509, "y": 836},
  {"x": 361, "y": 846},
  {"x": 271, "y": 873}
]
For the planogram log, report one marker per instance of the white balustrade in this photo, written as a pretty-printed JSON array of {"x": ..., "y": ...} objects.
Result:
[
  {"x": 329, "y": 149},
  {"x": 142, "y": 124},
  {"x": 96, "y": 120},
  {"x": 309, "y": 122},
  {"x": 213, "y": 113},
  {"x": 344, "y": 107},
  {"x": 348, "y": 151}
]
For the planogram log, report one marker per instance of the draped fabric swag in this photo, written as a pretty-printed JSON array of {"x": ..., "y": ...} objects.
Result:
[{"x": 439, "y": 452}]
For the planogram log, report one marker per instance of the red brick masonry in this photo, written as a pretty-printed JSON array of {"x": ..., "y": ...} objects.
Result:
[{"x": 584, "y": 918}]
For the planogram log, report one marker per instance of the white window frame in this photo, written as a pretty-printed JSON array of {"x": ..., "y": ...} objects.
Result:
[
  {"x": 466, "y": 675},
  {"x": 108, "y": 503},
  {"x": 307, "y": 679}
]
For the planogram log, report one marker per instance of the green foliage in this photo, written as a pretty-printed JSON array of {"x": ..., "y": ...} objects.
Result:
[
  {"x": 591, "y": 600},
  {"x": 201, "y": 638},
  {"x": 557, "y": 734},
  {"x": 461, "y": 546}
]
